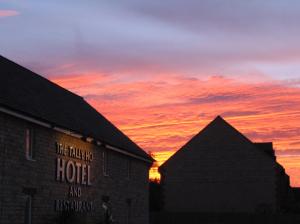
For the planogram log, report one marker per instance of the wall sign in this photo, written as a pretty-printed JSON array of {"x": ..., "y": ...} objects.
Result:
[{"x": 73, "y": 168}]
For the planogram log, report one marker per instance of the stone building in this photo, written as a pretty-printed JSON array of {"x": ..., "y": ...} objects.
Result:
[
  {"x": 60, "y": 159},
  {"x": 221, "y": 171}
]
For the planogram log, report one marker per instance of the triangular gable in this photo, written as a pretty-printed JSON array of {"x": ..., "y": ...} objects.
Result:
[{"x": 211, "y": 131}]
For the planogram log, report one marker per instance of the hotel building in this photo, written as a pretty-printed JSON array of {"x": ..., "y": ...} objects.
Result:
[{"x": 61, "y": 161}]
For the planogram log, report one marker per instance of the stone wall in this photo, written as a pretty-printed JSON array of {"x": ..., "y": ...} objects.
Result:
[{"x": 128, "y": 195}]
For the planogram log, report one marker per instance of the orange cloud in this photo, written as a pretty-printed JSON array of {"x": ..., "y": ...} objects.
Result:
[
  {"x": 6, "y": 13},
  {"x": 164, "y": 113},
  {"x": 292, "y": 167}
]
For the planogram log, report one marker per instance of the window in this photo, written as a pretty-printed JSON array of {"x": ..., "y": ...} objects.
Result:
[
  {"x": 28, "y": 209},
  {"x": 29, "y": 144},
  {"x": 29, "y": 193},
  {"x": 128, "y": 217},
  {"x": 104, "y": 164},
  {"x": 128, "y": 168}
]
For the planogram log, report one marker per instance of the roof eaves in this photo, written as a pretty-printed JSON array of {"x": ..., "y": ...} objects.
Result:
[{"x": 48, "y": 124}]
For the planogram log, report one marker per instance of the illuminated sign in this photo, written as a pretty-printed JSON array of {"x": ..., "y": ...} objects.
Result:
[{"x": 73, "y": 167}]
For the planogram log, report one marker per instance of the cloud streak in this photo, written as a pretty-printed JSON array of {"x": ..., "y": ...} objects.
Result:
[
  {"x": 142, "y": 38},
  {"x": 8, "y": 13},
  {"x": 161, "y": 115}
]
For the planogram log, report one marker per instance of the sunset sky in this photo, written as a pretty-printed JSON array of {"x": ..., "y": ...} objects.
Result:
[{"x": 162, "y": 70}]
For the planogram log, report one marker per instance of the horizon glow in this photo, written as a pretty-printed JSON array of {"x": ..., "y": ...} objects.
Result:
[{"x": 161, "y": 115}]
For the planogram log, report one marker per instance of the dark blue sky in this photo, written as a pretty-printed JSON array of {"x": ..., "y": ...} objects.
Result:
[{"x": 136, "y": 39}]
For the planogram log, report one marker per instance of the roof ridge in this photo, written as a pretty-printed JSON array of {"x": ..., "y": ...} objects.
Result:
[
  {"x": 41, "y": 98},
  {"x": 216, "y": 119},
  {"x": 40, "y": 76}
]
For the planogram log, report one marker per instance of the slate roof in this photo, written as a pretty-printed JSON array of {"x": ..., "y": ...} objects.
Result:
[
  {"x": 29, "y": 93},
  {"x": 221, "y": 129}
]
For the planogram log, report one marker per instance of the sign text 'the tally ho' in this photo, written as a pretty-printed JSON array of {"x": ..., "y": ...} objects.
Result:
[{"x": 71, "y": 171}]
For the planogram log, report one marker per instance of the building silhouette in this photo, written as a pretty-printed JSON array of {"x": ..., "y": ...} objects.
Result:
[
  {"x": 221, "y": 171},
  {"x": 61, "y": 161}
]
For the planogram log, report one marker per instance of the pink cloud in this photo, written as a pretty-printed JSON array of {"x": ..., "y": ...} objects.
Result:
[
  {"x": 164, "y": 113},
  {"x": 7, "y": 13}
]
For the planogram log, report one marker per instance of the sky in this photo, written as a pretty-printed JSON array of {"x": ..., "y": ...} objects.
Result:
[{"x": 162, "y": 70}]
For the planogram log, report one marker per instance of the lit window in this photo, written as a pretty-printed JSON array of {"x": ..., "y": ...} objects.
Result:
[
  {"x": 104, "y": 164},
  {"x": 28, "y": 209},
  {"x": 29, "y": 149}
]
